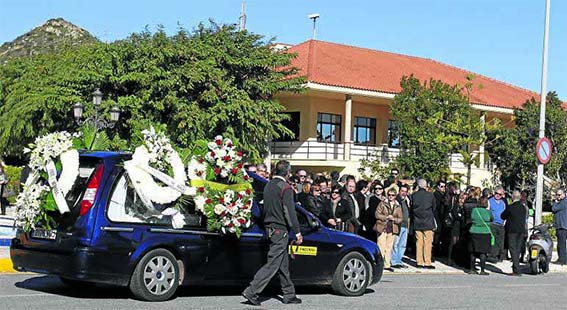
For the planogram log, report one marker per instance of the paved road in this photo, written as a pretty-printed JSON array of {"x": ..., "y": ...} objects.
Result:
[{"x": 30, "y": 291}]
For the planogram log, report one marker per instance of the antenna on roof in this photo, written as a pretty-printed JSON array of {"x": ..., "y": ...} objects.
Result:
[
  {"x": 314, "y": 17},
  {"x": 242, "y": 18}
]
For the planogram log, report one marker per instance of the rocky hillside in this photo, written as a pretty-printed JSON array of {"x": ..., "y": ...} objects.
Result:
[{"x": 45, "y": 39}]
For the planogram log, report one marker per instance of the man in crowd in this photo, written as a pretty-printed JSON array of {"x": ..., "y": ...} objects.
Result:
[
  {"x": 350, "y": 199},
  {"x": 301, "y": 175},
  {"x": 401, "y": 240},
  {"x": 559, "y": 210},
  {"x": 497, "y": 205},
  {"x": 278, "y": 216},
  {"x": 515, "y": 216},
  {"x": 424, "y": 224},
  {"x": 262, "y": 170},
  {"x": 439, "y": 211}
]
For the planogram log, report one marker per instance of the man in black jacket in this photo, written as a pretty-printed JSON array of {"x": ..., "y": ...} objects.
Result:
[
  {"x": 278, "y": 216},
  {"x": 515, "y": 225},
  {"x": 424, "y": 224}
]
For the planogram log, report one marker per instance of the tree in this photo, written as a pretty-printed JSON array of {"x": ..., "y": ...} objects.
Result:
[
  {"x": 215, "y": 80},
  {"x": 435, "y": 120},
  {"x": 513, "y": 150}
]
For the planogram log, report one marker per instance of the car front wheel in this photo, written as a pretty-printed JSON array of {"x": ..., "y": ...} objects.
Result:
[
  {"x": 352, "y": 275},
  {"x": 156, "y": 276}
]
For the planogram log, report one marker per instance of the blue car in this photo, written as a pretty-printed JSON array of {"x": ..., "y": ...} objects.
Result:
[{"x": 111, "y": 237}]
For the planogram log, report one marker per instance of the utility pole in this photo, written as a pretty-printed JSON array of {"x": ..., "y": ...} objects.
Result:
[
  {"x": 242, "y": 18},
  {"x": 539, "y": 184}
]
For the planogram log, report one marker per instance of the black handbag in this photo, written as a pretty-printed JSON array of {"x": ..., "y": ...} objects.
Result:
[{"x": 448, "y": 221}]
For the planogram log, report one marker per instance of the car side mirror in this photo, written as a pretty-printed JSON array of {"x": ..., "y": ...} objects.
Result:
[{"x": 315, "y": 224}]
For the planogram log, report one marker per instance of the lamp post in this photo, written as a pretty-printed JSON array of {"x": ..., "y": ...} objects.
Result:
[{"x": 95, "y": 120}]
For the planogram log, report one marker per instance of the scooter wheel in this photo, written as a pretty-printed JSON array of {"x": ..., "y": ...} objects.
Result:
[
  {"x": 534, "y": 265},
  {"x": 543, "y": 263}
]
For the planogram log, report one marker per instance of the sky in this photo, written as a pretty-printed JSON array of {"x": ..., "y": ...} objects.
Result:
[{"x": 501, "y": 39}]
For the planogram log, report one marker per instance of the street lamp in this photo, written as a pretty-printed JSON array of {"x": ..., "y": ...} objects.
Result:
[{"x": 94, "y": 120}]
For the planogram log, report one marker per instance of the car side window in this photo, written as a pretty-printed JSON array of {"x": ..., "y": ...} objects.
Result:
[{"x": 125, "y": 206}]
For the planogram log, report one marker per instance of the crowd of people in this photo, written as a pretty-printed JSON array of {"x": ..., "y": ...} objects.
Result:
[{"x": 460, "y": 227}]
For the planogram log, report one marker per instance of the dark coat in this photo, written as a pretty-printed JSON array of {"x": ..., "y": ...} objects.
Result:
[
  {"x": 423, "y": 210},
  {"x": 342, "y": 211},
  {"x": 361, "y": 200},
  {"x": 515, "y": 216}
]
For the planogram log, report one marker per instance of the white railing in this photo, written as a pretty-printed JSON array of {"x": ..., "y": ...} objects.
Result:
[{"x": 317, "y": 150}]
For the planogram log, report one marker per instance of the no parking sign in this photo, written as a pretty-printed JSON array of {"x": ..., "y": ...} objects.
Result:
[{"x": 543, "y": 150}]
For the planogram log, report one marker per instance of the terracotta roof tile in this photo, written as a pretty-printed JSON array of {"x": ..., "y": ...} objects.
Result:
[{"x": 360, "y": 68}]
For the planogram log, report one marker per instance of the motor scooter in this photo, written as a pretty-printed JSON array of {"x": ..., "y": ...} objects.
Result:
[{"x": 540, "y": 248}]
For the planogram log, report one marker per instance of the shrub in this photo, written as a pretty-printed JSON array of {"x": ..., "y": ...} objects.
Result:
[{"x": 13, "y": 187}]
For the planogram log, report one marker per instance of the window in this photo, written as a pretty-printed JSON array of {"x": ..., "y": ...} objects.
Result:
[
  {"x": 328, "y": 127},
  {"x": 364, "y": 130},
  {"x": 126, "y": 206},
  {"x": 292, "y": 124},
  {"x": 393, "y": 134}
]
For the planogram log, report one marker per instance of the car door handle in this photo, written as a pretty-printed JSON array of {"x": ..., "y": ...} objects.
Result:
[{"x": 117, "y": 229}]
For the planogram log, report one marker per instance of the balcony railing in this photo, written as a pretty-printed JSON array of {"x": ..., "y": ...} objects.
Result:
[{"x": 318, "y": 150}]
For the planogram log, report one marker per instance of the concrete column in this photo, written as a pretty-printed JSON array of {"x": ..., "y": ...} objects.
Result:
[
  {"x": 348, "y": 126},
  {"x": 481, "y": 147}
]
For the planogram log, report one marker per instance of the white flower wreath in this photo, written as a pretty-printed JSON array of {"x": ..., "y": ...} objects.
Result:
[{"x": 144, "y": 182}]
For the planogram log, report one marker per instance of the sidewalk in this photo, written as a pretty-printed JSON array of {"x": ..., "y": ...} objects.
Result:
[{"x": 504, "y": 267}]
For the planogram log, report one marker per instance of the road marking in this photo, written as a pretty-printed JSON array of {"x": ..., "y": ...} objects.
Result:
[
  {"x": 427, "y": 287},
  {"x": 530, "y": 285},
  {"x": 6, "y": 265}
]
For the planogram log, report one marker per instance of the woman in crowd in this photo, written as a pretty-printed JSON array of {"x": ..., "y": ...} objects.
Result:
[
  {"x": 315, "y": 203},
  {"x": 481, "y": 239},
  {"x": 456, "y": 214},
  {"x": 337, "y": 214},
  {"x": 370, "y": 204},
  {"x": 388, "y": 218},
  {"x": 446, "y": 218},
  {"x": 303, "y": 196},
  {"x": 3, "y": 182}
]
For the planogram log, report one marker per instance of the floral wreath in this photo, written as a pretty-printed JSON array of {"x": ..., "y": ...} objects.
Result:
[
  {"x": 223, "y": 194},
  {"x": 48, "y": 154},
  {"x": 154, "y": 156}
]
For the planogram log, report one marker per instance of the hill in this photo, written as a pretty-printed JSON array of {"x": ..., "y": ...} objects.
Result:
[{"x": 46, "y": 38}]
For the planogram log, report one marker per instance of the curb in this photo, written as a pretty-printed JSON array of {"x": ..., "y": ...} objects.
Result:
[{"x": 6, "y": 266}]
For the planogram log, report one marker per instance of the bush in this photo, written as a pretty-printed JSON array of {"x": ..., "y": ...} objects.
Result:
[
  {"x": 13, "y": 187},
  {"x": 548, "y": 218}
]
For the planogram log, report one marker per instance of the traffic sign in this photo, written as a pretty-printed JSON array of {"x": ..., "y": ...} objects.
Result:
[{"x": 543, "y": 150}]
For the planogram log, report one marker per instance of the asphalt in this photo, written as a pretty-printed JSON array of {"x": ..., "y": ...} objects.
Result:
[{"x": 431, "y": 291}]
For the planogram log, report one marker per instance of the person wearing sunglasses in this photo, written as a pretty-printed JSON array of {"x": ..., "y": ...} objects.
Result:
[
  {"x": 370, "y": 204},
  {"x": 389, "y": 216},
  {"x": 337, "y": 213},
  {"x": 497, "y": 205}
]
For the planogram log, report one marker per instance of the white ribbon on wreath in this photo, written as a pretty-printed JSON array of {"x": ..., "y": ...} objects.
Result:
[{"x": 142, "y": 176}]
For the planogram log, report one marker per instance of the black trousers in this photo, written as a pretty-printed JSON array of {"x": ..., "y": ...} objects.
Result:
[
  {"x": 499, "y": 233},
  {"x": 514, "y": 243},
  {"x": 2, "y": 203},
  {"x": 278, "y": 262},
  {"x": 561, "y": 243}
]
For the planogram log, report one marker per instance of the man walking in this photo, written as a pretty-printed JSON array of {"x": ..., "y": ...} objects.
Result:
[
  {"x": 424, "y": 224},
  {"x": 559, "y": 210},
  {"x": 497, "y": 205},
  {"x": 402, "y": 238},
  {"x": 278, "y": 216},
  {"x": 515, "y": 216}
]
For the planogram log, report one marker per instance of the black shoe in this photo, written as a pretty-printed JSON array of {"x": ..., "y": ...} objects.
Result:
[
  {"x": 396, "y": 266},
  {"x": 294, "y": 300},
  {"x": 429, "y": 267},
  {"x": 251, "y": 299},
  {"x": 389, "y": 269}
]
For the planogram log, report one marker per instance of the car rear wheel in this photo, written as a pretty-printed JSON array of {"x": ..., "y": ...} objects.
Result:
[
  {"x": 156, "y": 276},
  {"x": 352, "y": 275}
]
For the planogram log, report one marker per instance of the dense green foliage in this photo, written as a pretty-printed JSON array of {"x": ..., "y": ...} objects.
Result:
[
  {"x": 435, "y": 120},
  {"x": 215, "y": 80},
  {"x": 13, "y": 173},
  {"x": 513, "y": 150}
]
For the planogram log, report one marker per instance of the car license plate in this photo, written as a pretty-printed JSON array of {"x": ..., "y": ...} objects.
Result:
[
  {"x": 44, "y": 234},
  {"x": 534, "y": 253}
]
